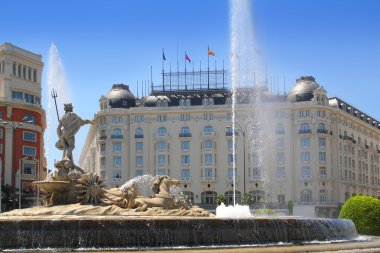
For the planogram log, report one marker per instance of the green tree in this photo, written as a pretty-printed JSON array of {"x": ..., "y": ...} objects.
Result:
[
  {"x": 246, "y": 199},
  {"x": 221, "y": 199}
]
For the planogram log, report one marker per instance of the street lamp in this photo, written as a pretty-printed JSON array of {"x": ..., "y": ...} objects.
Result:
[
  {"x": 243, "y": 130},
  {"x": 1, "y": 191},
  {"x": 14, "y": 126}
]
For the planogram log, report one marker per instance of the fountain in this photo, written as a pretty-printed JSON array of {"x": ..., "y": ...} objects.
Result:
[{"x": 145, "y": 212}]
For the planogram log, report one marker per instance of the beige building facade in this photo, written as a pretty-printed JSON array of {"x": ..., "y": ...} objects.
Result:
[{"x": 301, "y": 149}]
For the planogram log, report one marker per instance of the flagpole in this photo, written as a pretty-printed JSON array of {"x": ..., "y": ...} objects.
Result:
[
  {"x": 177, "y": 67},
  {"x": 208, "y": 68},
  {"x": 223, "y": 74},
  {"x": 163, "y": 70},
  {"x": 185, "y": 67},
  {"x": 170, "y": 77}
]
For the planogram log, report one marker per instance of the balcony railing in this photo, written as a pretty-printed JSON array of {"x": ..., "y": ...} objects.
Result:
[
  {"x": 209, "y": 179},
  {"x": 184, "y": 134},
  {"x": 304, "y": 131},
  {"x": 103, "y": 137},
  {"x": 162, "y": 135},
  {"x": 117, "y": 136},
  {"x": 230, "y": 133},
  {"x": 322, "y": 131},
  {"x": 306, "y": 177},
  {"x": 186, "y": 179},
  {"x": 139, "y": 136},
  {"x": 255, "y": 178},
  {"x": 206, "y": 134}
]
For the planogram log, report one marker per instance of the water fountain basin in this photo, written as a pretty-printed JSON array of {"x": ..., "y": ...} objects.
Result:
[{"x": 53, "y": 186}]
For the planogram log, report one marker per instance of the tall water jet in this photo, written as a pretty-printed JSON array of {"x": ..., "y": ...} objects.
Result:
[{"x": 56, "y": 79}]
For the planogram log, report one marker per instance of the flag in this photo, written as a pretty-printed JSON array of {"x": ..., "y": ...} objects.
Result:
[
  {"x": 163, "y": 56},
  {"x": 187, "y": 58},
  {"x": 211, "y": 52}
]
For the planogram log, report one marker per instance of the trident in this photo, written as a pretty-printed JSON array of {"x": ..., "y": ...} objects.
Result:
[{"x": 54, "y": 96}]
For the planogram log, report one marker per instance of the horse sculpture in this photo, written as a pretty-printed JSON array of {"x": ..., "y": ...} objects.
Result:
[{"x": 127, "y": 198}]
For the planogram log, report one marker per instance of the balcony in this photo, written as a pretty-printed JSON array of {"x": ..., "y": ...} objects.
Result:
[
  {"x": 184, "y": 135},
  {"x": 139, "y": 136},
  {"x": 323, "y": 177},
  {"x": 162, "y": 135},
  {"x": 208, "y": 134},
  {"x": 304, "y": 131},
  {"x": 322, "y": 131},
  {"x": 186, "y": 179},
  {"x": 255, "y": 179},
  {"x": 117, "y": 136},
  {"x": 306, "y": 177},
  {"x": 208, "y": 179},
  {"x": 230, "y": 133},
  {"x": 103, "y": 137}
]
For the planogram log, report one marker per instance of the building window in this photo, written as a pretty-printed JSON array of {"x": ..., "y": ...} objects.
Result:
[
  {"x": 116, "y": 147},
  {"x": 306, "y": 196},
  {"x": 208, "y": 158},
  {"x": 139, "y": 118},
  {"x": 161, "y": 117},
  {"x": 231, "y": 158},
  {"x": 29, "y": 118},
  {"x": 29, "y": 151},
  {"x": 161, "y": 145},
  {"x": 280, "y": 172},
  {"x": 305, "y": 143},
  {"x": 208, "y": 129},
  {"x": 322, "y": 143},
  {"x": 231, "y": 173},
  {"x": 256, "y": 172},
  {"x": 185, "y": 159},
  {"x": 185, "y": 132},
  {"x": 35, "y": 75},
  {"x": 29, "y": 98},
  {"x": 208, "y": 144},
  {"x": 139, "y": 161},
  {"x": 1, "y": 148},
  {"x": 17, "y": 95},
  {"x": 322, "y": 196},
  {"x": 322, "y": 171},
  {"x": 280, "y": 129},
  {"x": 102, "y": 161},
  {"x": 29, "y": 136},
  {"x": 117, "y": 119},
  {"x": 139, "y": 133},
  {"x": 281, "y": 198},
  {"x": 185, "y": 145},
  {"x": 28, "y": 168},
  {"x": 305, "y": 128},
  {"x": 116, "y": 161},
  {"x": 230, "y": 144},
  {"x": 184, "y": 117},
  {"x": 304, "y": 113},
  {"x": 103, "y": 147},
  {"x": 139, "y": 146},
  {"x": 305, "y": 156},
  {"x": 162, "y": 131},
  {"x": 322, "y": 156},
  {"x": 208, "y": 197},
  {"x": 161, "y": 159},
  {"x": 208, "y": 116},
  {"x": 280, "y": 143},
  {"x": 280, "y": 157},
  {"x": 305, "y": 171},
  {"x": 116, "y": 174},
  {"x": 185, "y": 174},
  {"x": 321, "y": 126},
  {"x": 139, "y": 173},
  {"x": 161, "y": 172},
  {"x": 116, "y": 133},
  {"x": 208, "y": 172}
]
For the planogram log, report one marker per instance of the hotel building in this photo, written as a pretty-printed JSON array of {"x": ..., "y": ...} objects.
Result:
[{"x": 313, "y": 151}]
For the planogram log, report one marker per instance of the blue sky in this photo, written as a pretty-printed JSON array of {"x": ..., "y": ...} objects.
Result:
[{"x": 116, "y": 41}]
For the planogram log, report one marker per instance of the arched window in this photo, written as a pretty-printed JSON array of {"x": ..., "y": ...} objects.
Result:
[
  {"x": 185, "y": 132},
  {"x": 305, "y": 126},
  {"x": 139, "y": 133},
  {"x": 230, "y": 197},
  {"x": 257, "y": 196},
  {"x": 103, "y": 133},
  {"x": 208, "y": 197},
  {"x": 280, "y": 129},
  {"x": 116, "y": 132},
  {"x": 182, "y": 102},
  {"x": 162, "y": 131},
  {"x": 205, "y": 101},
  {"x": 306, "y": 196},
  {"x": 208, "y": 129},
  {"x": 323, "y": 196}
]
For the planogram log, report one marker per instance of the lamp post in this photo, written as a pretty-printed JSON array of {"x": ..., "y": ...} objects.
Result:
[
  {"x": 14, "y": 126},
  {"x": 1, "y": 191}
]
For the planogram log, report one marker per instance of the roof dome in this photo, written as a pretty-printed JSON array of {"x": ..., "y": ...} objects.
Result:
[
  {"x": 121, "y": 97},
  {"x": 303, "y": 90}
]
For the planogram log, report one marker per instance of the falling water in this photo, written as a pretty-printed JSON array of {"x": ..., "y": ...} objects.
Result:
[{"x": 55, "y": 80}]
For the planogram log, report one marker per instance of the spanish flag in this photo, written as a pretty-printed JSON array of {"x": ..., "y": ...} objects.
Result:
[{"x": 211, "y": 52}]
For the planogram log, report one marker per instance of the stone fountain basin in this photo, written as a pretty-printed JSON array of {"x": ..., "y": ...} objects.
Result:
[{"x": 53, "y": 186}]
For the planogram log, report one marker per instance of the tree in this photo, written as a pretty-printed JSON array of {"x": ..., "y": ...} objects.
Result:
[
  {"x": 221, "y": 199},
  {"x": 290, "y": 205},
  {"x": 246, "y": 199}
]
